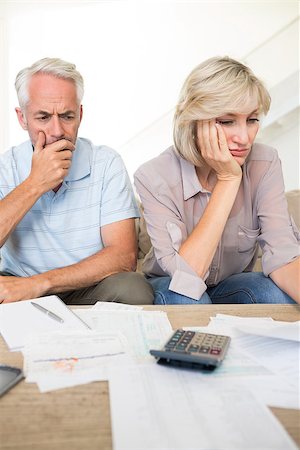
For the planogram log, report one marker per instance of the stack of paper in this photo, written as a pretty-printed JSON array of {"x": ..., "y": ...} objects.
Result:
[
  {"x": 143, "y": 329},
  {"x": 156, "y": 407},
  {"x": 63, "y": 353},
  {"x": 271, "y": 363}
]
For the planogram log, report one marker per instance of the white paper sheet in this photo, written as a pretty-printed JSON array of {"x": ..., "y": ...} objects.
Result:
[
  {"x": 20, "y": 320},
  {"x": 273, "y": 373},
  {"x": 155, "y": 408},
  {"x": 56, "y": 360},
  {"x": 229, "y": 318},
  {"x": 278, "y": 355},
  {"x": 112, "y": 306},
  {"x": 53, "y": 382},
  {"x": 281, "y": 330},
  {"x": 144, "y": 330}
]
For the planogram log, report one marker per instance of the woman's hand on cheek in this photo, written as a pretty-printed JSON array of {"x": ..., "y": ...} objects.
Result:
[{"x": 214, "y": 150}]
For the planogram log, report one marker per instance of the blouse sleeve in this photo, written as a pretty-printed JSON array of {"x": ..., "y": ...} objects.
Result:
[
  {"x": 279, "y": 237},
  {"x": 167, "y": 231}
]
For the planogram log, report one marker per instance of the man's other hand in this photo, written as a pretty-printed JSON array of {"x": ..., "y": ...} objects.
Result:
[{"x": 13, "y": 289}]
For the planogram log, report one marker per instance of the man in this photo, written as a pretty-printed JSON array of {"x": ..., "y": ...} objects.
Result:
[{"x": 66, "y": 206}]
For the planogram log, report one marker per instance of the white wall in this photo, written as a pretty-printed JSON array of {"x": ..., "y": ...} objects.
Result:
[
  {"x": 134, "y": 57},
  {"x": 281, "y": 127}
]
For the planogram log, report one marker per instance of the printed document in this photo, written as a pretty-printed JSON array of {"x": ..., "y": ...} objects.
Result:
[
  {"x": 273, "y": 364},
  {"x": 62, "y": 359},
  {"x": 154, "y": 408},
  {"x": 143, "y": 329}
]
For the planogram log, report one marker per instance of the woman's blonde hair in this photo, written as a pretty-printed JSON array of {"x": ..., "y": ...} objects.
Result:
[{"x": 217, "y": 86}]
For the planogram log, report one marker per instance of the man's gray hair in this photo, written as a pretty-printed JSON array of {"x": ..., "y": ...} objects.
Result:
[{"x": 51, "y": 66}]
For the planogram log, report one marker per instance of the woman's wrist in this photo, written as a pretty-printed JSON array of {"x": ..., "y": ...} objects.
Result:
[{"x": 234, "y": 178}]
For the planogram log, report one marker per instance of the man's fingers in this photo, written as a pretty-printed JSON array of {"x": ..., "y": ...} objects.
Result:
[
  {"x": 65, "y": 154},
  {"x": 40, "y": 143},
  {"x": 62, "y": 144},
  {"x": 57, "y": 146}
]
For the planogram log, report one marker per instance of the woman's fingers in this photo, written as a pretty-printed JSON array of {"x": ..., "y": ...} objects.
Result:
[
  {"x": 208, "y": 139},
  {"x": 221, "y": 138},
  {"x": 204, "y": 138},
  {"x": 214, "y": 150},
  {"x": 214, "y": 141}
]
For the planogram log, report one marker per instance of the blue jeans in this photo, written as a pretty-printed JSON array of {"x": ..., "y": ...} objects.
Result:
[{"x": 246, "y": 287}]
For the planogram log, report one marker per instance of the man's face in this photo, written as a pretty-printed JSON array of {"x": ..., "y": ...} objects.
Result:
[{"x": 52, "y": 108}]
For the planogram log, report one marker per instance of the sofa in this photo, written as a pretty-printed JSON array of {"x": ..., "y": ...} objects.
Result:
[{"x": 144, "y": 243}]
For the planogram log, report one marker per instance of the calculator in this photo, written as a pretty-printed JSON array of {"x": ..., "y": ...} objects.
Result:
[{"x": 193, "y": 349}]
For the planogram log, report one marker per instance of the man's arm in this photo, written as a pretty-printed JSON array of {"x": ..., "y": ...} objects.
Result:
[
  {"x": 118, "y": 255},
  {"x": 14, "y": 207},
  {"x": 50, "y": 164}
]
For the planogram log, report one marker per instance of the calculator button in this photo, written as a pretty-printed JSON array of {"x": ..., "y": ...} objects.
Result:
[
  {"x": 204, "y": 349},
  {"x": 169, "y": 346},
  {"x": 181, "y": 345},
  {"x": 215, "y": 351},
  {"x": 172, "y": 343},
  {"x": 193, "y": 348},
  {"x": 190, "y": 334},
  {"x": 179, "y": 333}
]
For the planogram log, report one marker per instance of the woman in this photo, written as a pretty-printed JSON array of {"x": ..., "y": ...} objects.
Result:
[{"x": 213, "y": 197}]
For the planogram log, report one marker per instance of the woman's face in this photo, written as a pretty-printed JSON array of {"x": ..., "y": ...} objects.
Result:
[{"x": 240, "y": 130}]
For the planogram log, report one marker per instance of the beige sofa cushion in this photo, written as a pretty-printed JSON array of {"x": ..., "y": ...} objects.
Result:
[
  {"x": 144, "y": 243},
  {"x": 293, "y": 199}
]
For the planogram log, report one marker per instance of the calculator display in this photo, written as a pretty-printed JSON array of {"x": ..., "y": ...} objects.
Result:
[{"x": 193, "y": 349}]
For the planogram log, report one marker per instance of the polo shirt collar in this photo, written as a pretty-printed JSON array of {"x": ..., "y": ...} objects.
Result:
[{"x": 190, "y": 181}]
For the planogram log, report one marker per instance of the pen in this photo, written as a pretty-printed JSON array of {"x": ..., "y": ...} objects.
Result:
[{"x": 46, "y": 311}]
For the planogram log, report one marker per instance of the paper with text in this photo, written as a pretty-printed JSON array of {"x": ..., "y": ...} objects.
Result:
[
  {"x": 273, "y": 373},
  {"x": 156, "y": 408},
  {"x": 143, "y": 329},
  {"x": 56, "y": 360}
]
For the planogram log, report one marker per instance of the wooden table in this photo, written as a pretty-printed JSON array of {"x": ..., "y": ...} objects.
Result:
[{"x": 79, "y": 418}]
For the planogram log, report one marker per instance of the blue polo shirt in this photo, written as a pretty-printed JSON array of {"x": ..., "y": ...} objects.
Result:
[{"x": 64, "y": 227}]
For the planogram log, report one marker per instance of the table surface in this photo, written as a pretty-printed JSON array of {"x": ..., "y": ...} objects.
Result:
[{"x": 79, "y": 417}]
